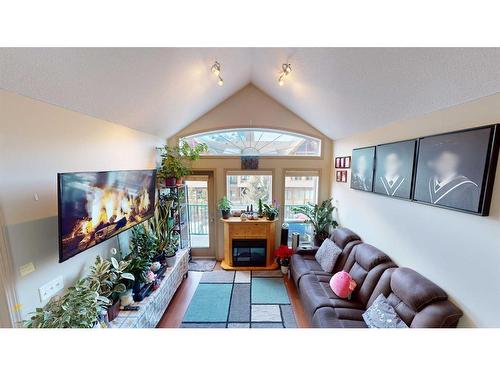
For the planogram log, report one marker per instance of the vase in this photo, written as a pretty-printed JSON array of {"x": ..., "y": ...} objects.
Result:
[
  {"x": 284, "y": 270},
  {"x": 126, "y": 298},
  {"x": 113, "y": 310},
  {"x": 171, "y": 260}
]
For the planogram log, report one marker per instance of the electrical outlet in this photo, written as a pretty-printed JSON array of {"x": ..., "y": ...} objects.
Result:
[{"x": 51, "y": 288}]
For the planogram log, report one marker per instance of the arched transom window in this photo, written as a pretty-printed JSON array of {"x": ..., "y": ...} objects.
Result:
[{"x": 253, "y": 141}]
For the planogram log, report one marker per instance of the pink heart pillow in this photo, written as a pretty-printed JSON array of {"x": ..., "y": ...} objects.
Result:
[{"x": 342, "y": 284}]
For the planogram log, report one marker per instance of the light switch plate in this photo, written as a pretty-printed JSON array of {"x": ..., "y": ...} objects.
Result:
[
  {"x": 26, "y": 269},
  {"x": 51, "y": 288}
]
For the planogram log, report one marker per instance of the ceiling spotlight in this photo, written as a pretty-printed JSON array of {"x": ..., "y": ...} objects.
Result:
[
  {"x": 216, "y": 71},
  {"x": 286, "y": 69}
]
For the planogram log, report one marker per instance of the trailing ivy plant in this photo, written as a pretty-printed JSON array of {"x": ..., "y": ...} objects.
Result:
[{"x": 79, "y": 307}]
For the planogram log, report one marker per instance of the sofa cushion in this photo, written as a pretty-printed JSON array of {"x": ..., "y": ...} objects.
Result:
[
  {"x": 381, "y": 314},
  {"x": 342, "y": 236},
  {"x": 327, "y": 317},
  {"x": 327, "y": 255}
]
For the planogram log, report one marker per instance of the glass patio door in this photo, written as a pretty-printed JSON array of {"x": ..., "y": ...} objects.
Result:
[{"x": 201, "y": 217}]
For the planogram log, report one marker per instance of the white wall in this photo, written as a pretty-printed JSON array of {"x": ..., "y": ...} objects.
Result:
[
  {"x": 37, "y": 141},
  {"x": 458, "y": 251}
]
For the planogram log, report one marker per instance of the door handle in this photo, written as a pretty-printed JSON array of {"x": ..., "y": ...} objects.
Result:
[{"x": 212, "y": 219}]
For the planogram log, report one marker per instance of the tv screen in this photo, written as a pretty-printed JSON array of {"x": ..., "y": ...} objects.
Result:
[{"x": 95, "y": 206}]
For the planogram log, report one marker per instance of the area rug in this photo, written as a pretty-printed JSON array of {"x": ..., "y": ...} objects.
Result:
[
  {"x": 202, "y": 265},
  {"x": 241, "y": 299}
]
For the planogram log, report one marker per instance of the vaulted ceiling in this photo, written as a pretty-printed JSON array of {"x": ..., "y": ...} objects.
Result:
[{"x": 340, "y": 91}]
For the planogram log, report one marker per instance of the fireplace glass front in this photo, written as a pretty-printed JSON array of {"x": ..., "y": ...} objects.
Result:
[{"x": 249, "y": 253}]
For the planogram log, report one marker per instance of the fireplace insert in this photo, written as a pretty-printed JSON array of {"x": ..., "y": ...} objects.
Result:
[{"x": 249, "y": 252}]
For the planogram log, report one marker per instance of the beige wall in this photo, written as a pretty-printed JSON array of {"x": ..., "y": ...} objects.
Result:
[
  {"x": 458, "y": 251},
  {"x": 37, "y": 141},
  {"x": 250, "y": 107}
]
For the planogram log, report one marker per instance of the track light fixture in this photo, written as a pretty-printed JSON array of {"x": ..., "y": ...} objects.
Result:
[
  {"x": 286, "y": 69},
  {"x": 216, "y": 71}
]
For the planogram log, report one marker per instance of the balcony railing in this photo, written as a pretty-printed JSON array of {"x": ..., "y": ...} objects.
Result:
[{"x": 198, "y": 219}]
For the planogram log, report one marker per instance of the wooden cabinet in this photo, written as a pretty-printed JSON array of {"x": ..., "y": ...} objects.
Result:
[{"x": 234, "y": 228}]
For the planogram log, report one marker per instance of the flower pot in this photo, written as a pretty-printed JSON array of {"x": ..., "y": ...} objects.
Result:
[
  {"x": 171, "y": 260},
  {"x": 126, "y": 298},
  {"x": 225, "y": 214},
  {"x": 271, "y": 217},
  {"x": 113, "y": 310},
  {"x": 170, "y": 181},
  {"x": 284, "y": 270},
  {"x": 180, "y": 181},
  {"x": 319, "y": 238}
]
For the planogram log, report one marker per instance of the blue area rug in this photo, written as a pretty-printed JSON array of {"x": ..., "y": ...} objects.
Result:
[
  {"x": 210, "y": 303},
  {"x": 269, "y": 291},
  {"x": 228, "y": 299}
]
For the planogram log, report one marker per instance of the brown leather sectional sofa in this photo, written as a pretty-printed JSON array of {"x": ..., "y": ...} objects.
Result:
[{"x": 419, "y": 302}]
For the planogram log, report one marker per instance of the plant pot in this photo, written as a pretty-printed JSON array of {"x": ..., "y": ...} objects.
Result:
[
  {"x": 170, "y": 181},
  {"x": 113, "y": 310},
  {"x": 284, "y": 270},
  {"x": 271, "y": 217},
  {"x": 171, "y": 260},
  {"x": 319, "y": 238},
  {"x": 226, "y": 214},
  {"x": 180, "y": 181}
]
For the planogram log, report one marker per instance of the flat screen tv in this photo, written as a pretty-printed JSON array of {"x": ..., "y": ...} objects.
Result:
[{"x": 95, "y": 206}]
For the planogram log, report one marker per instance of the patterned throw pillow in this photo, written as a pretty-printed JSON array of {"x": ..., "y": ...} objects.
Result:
[
  {"x": 327, "y": 255},
  {"x": 382, "y": 315}
]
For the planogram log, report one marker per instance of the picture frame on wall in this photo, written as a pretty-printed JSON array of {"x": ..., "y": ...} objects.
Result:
[
  {"x": 338, "y": 176},
  {"x": 344, "y": 176},
  {"x": 347, "y": 162},
  {"x": 394, "y": 166},
  {"x": 456, "y": 170},
  {"x": 337, "y": 162},
  {"x": 363, "y": 163}
]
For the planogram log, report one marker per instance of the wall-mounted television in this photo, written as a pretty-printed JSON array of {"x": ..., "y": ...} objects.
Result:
[{"x": 95, "y": 206}]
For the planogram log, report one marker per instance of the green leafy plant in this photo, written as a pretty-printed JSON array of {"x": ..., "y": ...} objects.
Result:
[
  {"x": 160, "y": 224},
  {"x": 260, "y": 212},
  {"x": 271, "y": 211},
  {"x": 79, "y": 307},
  {"x": 176, "y": 161},
  {"x": 224, "y": 204},
  {"x": 143, "y": 243},
  {"x": 320, "y": 216},
  {"x": 108, "y": 277},
  {"x": 138, "y": 267}
]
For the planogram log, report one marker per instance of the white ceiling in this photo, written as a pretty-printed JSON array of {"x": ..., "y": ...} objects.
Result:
[{"x": 340, "y": 91}]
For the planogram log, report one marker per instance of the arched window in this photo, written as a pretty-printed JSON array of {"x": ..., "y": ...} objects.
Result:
[{"x": 253, "y": 141}]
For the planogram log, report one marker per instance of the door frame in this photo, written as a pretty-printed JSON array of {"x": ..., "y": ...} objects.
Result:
[
  {"x": 212, "y": 210},
  {"x": 7, "y": 279}
]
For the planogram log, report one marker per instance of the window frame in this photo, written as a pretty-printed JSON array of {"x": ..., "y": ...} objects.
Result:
[
  {"x": 259, "y": 172},
  {"x": 318, "y": 137}
]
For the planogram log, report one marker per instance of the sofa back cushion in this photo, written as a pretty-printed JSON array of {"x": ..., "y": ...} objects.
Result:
[
  {"x": 366, "y": 264},
  {"x": 346, "y": 240},
  {"x": 418, "y": 301}
]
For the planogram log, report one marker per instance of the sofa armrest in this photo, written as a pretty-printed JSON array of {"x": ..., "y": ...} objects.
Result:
[{"x": 308, "y": 251}]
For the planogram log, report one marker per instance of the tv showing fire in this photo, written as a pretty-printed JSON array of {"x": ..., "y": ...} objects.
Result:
[{"x": 95, "y": 206}]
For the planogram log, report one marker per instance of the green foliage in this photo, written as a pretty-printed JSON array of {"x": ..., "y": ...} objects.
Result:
[
  {"x": 78, "y": 308},
  {"x": 177, "y": 160},
  {"x": 138, "y": 267},
  {"x": 261, "y": 208},
  {"x": 108, "y": 277},
  {"x": 160, "y": 224},
  {"x": 271, "y": 211},
  {"x": 224, "y": 204},
  {"x": 143, "y": 243},
  {"x": 320, "y": 216}
]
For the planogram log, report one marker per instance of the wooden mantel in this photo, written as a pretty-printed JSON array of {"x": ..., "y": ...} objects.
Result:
[{"x": 235, "y": 228}]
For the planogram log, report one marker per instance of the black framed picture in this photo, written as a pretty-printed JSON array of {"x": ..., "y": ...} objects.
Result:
[
  {"x": 363, "y": 160},
  {"x": 394, "y": 169},
  {"x": 456, "y": 170}
]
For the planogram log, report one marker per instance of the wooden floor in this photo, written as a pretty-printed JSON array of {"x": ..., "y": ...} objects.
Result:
[{"x": 179, "y": 304}]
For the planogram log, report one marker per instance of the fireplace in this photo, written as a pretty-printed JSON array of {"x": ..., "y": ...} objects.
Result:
[{"x": 249, "y": 253}]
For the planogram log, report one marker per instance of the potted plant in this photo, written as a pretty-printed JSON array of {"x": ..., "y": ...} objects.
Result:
[
  {"x": 160, "y": 225},
  {"x": 138, "y": 267},
  {"x": 176, "y": 162},
  {"x": 79, "y": 307},
  {"x": 107, "y": 277},
  {"x": 172, "y": 248},
  {"x": 224, "y": 206},
  {"x": 320, "y": 216},
  {"x": 260, "y": 211},
  {"x": 283, "y": 254},
  {"x": 271, "y": 211}
]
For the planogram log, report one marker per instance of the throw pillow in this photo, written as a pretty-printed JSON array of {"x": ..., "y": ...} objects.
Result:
[
  {"x": 382, "y": 315},
  {"x": 327, "y": 255},
  {"x": 342, "y": 284}
]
